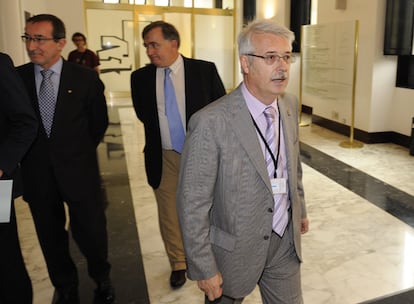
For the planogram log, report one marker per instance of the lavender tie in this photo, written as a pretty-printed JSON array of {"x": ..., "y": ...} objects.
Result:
[
  {"x": 280, "y": 215},
  {"x": 270, "y": 114}
]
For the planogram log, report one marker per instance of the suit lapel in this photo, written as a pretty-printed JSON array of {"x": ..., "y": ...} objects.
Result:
[
  {"x": 191, "y": 86},
  {"x": 289, "y": 124},
  {"x": 150, "y": 95},
  {"x": 29, "y": 79},
  {"x": 62, "y": 93},
  {"x": 246, "y": 133}
]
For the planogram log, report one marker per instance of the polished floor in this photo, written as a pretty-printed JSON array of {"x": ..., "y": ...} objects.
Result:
[{"x": 360, "y": 248}]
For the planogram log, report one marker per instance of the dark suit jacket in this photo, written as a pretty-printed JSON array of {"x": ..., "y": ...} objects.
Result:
[
  {"x": 68, "y": 157},
  {"x": 202, "y": 86},
  {"x": 18, "y": 124}
]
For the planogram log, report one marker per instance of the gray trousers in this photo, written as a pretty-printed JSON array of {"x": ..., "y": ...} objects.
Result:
[{"x": 280, "y": 281}]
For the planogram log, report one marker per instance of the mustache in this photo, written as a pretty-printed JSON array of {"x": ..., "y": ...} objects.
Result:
[{"x": 281, "y": 75}]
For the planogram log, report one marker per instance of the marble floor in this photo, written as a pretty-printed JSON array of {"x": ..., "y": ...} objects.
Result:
[{"x": 357, "y": 250}]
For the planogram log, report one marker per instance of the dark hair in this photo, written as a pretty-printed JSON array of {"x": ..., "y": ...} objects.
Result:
[
  {"x": 77, "y": 34},
  {"x": 169, "y": 32},
  {"x": 59, "y": 31}
]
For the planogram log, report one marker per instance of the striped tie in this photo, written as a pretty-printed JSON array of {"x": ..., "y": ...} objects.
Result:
[
  {"x": 280, "y": 215},
  {"x": 269, "y": 113}
]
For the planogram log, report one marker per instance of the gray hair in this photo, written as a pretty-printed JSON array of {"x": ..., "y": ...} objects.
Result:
[{"x": 258, "y": 27}]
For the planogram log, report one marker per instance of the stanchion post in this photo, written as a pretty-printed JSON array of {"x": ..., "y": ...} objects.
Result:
[
  {"x": 351, "y": 143},
  {"x": 301, "y": 123}
]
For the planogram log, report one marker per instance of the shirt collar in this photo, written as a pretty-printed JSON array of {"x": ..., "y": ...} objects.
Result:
[
  {"x": 176, "y": 65},
  {"x": 56, "y": 68},
  {"x": 255, "y": 106}
]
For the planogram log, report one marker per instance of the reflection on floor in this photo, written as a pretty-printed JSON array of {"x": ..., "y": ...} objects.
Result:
[{"x": 360, "y": 203}]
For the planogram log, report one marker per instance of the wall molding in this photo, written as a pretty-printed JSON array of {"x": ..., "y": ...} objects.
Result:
[{"x": 363, "y": 136}]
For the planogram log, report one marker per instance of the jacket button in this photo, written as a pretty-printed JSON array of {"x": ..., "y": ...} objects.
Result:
[
  {"x": 266, "y": 237},
  {"x": 270, "y": 210}
]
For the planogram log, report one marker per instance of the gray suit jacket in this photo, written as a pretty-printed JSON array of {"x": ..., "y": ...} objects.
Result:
[{"x": 224, "y": 197}]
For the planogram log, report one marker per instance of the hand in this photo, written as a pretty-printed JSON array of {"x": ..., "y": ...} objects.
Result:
[
  {"x": 212, "y": 287},
  {"x": 1, "y": 173},
  {"x": 304, "y": 225}
]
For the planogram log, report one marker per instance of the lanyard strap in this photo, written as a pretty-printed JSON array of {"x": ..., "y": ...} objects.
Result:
[{"x": 275, "y": 160}]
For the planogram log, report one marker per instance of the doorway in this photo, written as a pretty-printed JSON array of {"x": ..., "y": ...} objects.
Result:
[{"x": 114, "y": 33}]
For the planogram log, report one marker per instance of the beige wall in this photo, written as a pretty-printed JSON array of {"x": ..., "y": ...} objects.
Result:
[
  {"x": 12, "y": 22},
  {"x": 11, "y": 28},
  {"x": 380, "y": 106}
]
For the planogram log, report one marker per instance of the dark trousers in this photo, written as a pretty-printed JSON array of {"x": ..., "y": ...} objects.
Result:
[
  {"x": 15, "y": 284},
  {"x": 88, "y": 227}
]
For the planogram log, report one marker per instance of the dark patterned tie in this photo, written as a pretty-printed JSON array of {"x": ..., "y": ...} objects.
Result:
[
  {"x": 47, "y": 100},
  {"x": 173, "y": 115}
]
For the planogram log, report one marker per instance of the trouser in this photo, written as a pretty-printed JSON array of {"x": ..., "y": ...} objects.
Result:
[
  {"x": 165, "y": 195},
  {"x": 15, "y": 284},
  {"x": 280, "y": 281},
  {"x": 88, "y": 227}
]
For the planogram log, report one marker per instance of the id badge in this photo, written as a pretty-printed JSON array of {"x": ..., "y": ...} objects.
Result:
[{"x": 279, "y": 185}]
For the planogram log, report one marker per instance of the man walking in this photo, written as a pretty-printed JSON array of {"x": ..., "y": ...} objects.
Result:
[
  {"x": 165, "y": 94},
  {"x": 62, "y": 166}
]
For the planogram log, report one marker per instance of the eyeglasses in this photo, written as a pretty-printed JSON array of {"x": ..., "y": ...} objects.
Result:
[
  {"x": 39, "y": 40},
  {"x": 270, "y": 59}
]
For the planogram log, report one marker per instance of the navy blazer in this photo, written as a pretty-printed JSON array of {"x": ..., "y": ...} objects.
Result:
[
  {"x": 203, "y": 85},
  {"x": 68, "y": 157}
]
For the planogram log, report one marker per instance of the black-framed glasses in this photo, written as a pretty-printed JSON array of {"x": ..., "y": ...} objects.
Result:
[
  {"x": 39, "y": 40},
  {"x": 270, "y": 59}
]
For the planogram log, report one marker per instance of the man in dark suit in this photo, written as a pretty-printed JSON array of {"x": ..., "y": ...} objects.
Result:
[
  {"x": 61, "y": 166},
  {"x": 196, "y": 83},
  {"x": 18, "y": 127},
  {"x": 240, "y": 197}
]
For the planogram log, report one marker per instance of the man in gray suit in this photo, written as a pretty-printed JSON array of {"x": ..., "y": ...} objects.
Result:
[{"x": 240, "y": 197}]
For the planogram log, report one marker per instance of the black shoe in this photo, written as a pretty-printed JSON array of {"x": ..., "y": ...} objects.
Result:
[
  {"x": 105, "y": 293},
  {"x": 177, "y": 278},
  {"x": 66, "y": 297}
]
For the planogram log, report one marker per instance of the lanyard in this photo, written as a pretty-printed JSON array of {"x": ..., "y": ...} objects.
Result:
[{"x": 275, "y": 160}]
